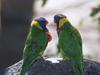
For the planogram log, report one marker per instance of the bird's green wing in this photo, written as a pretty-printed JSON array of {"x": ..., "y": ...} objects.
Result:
[
  {"x": 35, "y": 44},
  {"x": 72, "y": 50},
  {"x": 70, "y": 44},
  {"x": 77, "y": 36}
]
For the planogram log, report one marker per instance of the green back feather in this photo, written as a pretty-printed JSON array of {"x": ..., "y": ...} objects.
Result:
[
  {"x": 70, "y": 44},
  {"x": 35, "y": 44}
]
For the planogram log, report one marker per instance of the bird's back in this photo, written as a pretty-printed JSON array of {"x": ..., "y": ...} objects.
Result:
[
  {"x": 70, "y": 41},
  {"x": 37, "y": 39}
]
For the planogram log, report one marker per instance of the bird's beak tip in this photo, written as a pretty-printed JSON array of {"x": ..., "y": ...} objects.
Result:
[{"x": 46, "y": 22}]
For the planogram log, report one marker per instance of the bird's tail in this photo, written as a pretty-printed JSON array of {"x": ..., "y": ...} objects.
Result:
[
  {"x": 23, "y": 70},
  {"x": 78, "y": 69},
  {"x": 26, "y": 66}
]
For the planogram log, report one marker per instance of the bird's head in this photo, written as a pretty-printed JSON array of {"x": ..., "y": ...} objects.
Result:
[
  {"x": 59, "y": 20},
  {"x": 41, "y": 23}
]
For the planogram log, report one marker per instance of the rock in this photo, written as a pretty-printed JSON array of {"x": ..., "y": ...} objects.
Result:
[
  {"x": 48, "y": 68},
  {"x": 42, "y": 67}
]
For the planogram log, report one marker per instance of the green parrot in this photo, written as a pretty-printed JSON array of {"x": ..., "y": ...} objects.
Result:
[
  {"x": 36, "y": 43},
  {"x": 70, "y": 43}
]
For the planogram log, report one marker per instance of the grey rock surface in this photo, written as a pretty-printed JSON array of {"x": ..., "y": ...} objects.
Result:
[
  {"x": 62, "y": 68},
  {"x": 42, "y": 67}
]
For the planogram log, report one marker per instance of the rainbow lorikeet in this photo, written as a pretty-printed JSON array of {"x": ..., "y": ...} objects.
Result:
[
  {"x": 36, "y": 43},
  {"x": 70, "y": 43}
]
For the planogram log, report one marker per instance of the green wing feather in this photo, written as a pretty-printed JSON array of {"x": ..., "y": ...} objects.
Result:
[
  {"x": 35, "y": 44},
  {"x": 70, "y": 44},
  {"x": 77, "y": 36}
]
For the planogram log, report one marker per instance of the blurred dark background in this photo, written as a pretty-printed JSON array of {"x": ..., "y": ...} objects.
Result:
[{"x": 15, "y": 21}]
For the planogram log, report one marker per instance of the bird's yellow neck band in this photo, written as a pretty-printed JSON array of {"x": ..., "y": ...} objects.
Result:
[
  {"x": 36, "y": 24},
  {"x": 62, "y": 21}
]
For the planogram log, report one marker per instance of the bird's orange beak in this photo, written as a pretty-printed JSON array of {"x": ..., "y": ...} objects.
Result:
[
  {"x": 49, "y": 36},
  {"x": 46, "y": 22}
]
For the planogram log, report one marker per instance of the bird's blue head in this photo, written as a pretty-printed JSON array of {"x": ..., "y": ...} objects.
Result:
[
  {"x": 60, "y": 19},
  {"x": 57, "y": 18},
  {"x": 42, "y": 22}
]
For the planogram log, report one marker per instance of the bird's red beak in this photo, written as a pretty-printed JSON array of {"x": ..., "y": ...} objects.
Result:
[
  {"x": 46, "y": 22},
  {"x": 49, "y": 35}
]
